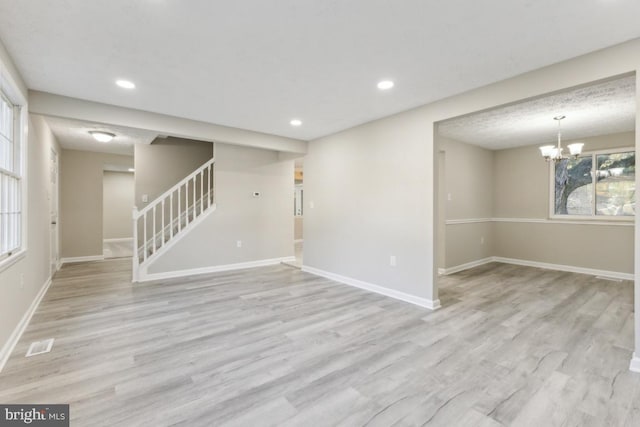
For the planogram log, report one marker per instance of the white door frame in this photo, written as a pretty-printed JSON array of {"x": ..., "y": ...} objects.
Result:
[{"x": 54, "y": 211}]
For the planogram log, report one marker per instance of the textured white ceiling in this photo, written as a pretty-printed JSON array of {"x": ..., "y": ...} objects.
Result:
[
  {"x": 74, "y": 135},
  {"x": 256, "y": 64},
  {"x": 598, "y": 109}
]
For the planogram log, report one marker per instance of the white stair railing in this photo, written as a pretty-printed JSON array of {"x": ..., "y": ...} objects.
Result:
[{"x": 170, "y": 214}]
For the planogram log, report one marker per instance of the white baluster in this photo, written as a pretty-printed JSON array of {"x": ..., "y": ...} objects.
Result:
[
  {"x": 144, "y": 236},
  {"x": 136, "y": 256},
  {"x": 153, "y": 234},
  {"x": 171, "y": 217},
  {"x": 162, "y": 225}
]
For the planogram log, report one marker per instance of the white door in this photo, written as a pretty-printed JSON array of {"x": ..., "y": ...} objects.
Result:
[{"x": 53, "y": 208}]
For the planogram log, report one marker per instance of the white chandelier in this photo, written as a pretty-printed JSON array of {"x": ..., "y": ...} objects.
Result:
[{"x": 551, "y": 152}]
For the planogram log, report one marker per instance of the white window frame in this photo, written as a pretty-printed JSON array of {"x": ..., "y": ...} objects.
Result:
[
  {"x": 594, "y": 217},
  {"x": 14, "y": 95}
]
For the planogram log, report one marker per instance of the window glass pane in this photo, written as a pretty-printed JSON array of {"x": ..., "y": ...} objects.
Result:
[
  {"x": 616, "y": 184},
  {"x": 573, "y": 187},
  {"x": 6, "y": 134}
]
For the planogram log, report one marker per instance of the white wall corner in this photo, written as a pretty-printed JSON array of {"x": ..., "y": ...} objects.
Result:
[
  {"x": 7, "y": 348},
  {"x": 634, "y": 366},
  {"x": 412, "y": 299}
]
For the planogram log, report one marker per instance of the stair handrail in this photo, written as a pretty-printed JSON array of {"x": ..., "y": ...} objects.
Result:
[
  {"x": 166, "y": 194},
  {"x": 159, "y": 202}
]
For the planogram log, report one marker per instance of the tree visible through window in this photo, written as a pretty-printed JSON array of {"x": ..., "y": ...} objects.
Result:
[{"x": 600, "y": 184}]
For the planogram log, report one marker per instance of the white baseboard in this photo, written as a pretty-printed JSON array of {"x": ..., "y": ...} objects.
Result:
[
  {"x": 635, "y": 364},
  {"x": 119, "y": 240},
  {"x": 569, "y": 268},
  {"x": 213, "y": 269},
  {"x": 545, "y": 265},
  {"x": 422, "y": 302},
  {"x": 8, "y": 347},
  {"x": 465, "y": 266},
  {"x": 82, "y": 259}
]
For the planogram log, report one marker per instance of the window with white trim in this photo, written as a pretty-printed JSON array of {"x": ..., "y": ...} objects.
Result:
[
  {"x": 599, "y": 184},
  {"x": 10, "y": 179}
]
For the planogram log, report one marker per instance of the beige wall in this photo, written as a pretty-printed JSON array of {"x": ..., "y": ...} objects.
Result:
[
  {"x": 263, "y": 224},
  {"x": 599, "y": 247},
  {"x": 521, "y": 177},
  {"x": 468, "y": 180},
  {"x": 518, "y": 180},
  {"x": 521, "y": 181},
  {"x": 370, "y": 188},
  {"x": 468, "y": 193},
  {"x": 297, "y": 228},
  {"x": 21, "y": 282},
  {"x": 162, "y": 164},
  {"x": 388, "y": 202},
  {"x": 117, "y": 196},
  {"x": 81, "y": 174}
]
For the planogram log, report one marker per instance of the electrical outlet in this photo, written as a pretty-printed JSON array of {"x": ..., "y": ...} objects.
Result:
[
  {"x": 312, "y": 205},
  {"x": 21, "y": 280},
  {"x": 393, "y": 261},
  {"x": 239, "y": 243},
  {"x": 145, "y": 198},
  {"x": 482, "y": 240},
  {"x": 449, "y": 198}
]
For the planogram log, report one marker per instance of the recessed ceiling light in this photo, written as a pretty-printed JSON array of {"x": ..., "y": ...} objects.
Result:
[
  {"x": 102, "y": 136},
  {"x": 126, "y": 84},
  {"x": 385, "y": 84},
  {"x": 131, "y": 170},
  {"x": 296, "y": 122}
]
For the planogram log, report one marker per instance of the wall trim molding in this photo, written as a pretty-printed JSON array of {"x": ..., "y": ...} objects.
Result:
[
  {"x": 618, "y": 223},
  {"x": 119, "y": 240},
  {"x": 68, "y": 260},
  {"x": 148, "y": 277},
  {"x": 392, "y": 293},
  {"x": 467, "y": 221},
  {"x": 15, "y": 336},
  {"x": 568, "y": 268},
  {"x": 537, "y": 264},
  {"x": 465, "y": 266},
  {"x": 634, "y": 366}
]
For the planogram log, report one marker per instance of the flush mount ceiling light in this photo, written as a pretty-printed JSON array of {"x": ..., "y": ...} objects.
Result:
[
  {"x": 126, "y": 84},
  {"x": 102, "y": 136},
  {"x": 296, "y": 122},
  {"x": 551, "y": 152},
  {"x": 385, "y": 84}
]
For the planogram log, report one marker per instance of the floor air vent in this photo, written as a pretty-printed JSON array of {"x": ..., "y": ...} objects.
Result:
[
  {"x": 40, "y": 347},
  {"x": 611, "y": 279}
]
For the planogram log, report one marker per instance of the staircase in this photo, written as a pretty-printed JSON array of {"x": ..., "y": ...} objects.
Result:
[{"x": 164, "y": 221}]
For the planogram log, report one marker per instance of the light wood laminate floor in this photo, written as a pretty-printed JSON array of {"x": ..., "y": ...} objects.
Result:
[{"x": 276, "y": 346}]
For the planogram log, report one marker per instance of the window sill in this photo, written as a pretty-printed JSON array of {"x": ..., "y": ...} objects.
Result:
[
  {"x": 589, "y": 220},
  {"x": 8, "y": 262}
]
